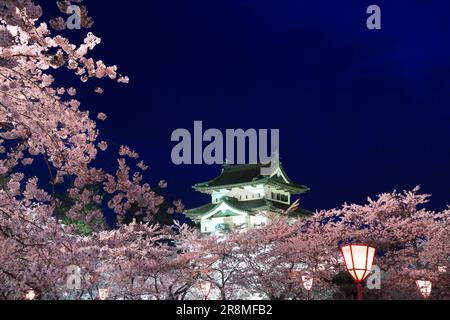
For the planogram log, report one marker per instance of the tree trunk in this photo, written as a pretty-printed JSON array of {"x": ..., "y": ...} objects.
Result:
[{"x": 223, "y": 294}]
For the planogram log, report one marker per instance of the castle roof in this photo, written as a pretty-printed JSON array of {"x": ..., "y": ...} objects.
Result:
[
  {"x": 250, "y": 174},
  {"x": 252, "y": 207}
]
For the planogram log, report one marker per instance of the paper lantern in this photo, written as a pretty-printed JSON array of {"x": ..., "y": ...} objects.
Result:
[
  {"x": 358, "y": 260},
  {"x": 424, "y": 287},
  {"x": 205, "y": 288}
]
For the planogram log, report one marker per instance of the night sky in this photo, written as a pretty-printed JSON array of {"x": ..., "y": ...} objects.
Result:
[{"x": 360, "y": 112}]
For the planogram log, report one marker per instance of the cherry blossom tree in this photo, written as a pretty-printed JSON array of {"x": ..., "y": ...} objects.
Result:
[
  {"x": 396, "y": 224},
  {"x": 220, "y": 261},
  {"x": 411, "y": 243},
  {"x": 138, "y": 261},
  {"x": 269, "y": 269},
  {"x": 43, "y": 125}
]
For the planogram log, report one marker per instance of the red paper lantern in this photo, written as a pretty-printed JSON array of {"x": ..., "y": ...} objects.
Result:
[
  {"x": 205, "y": 288},
  {"x": 358, "y": 260},
  {"x": 424, "y": 287}
]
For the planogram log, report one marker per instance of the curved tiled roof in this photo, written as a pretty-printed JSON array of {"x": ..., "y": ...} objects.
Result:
[
  {"x": 251, "y": 207},
  {"x": 248, "y": 174}
]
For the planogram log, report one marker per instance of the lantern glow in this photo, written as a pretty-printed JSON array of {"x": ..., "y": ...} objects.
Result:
[
  {"x": 103, "y": 294},
  {"x": 205, "y": 288},
  {"x": 307, "y": 282},
  {"x": 424, "y": 287},
  {"x": 358, "y": 260},
  {"x": 30, "y": 295},
  {"x": 442, "y": 269}
]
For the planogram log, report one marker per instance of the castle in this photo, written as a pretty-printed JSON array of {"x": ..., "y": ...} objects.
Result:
[{"x": 241, "y": 197}]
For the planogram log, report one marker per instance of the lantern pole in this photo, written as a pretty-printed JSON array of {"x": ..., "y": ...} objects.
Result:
[{"x": 359, "y": 291}]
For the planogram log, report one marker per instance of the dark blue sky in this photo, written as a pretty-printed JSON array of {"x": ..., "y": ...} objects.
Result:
[{"x": 360, "y": 112}]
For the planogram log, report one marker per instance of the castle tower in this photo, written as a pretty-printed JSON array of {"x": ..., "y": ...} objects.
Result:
[{"x": 241, "y": 197}]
